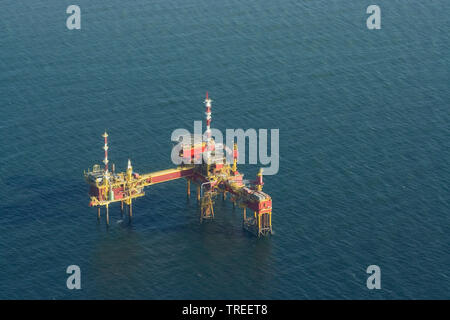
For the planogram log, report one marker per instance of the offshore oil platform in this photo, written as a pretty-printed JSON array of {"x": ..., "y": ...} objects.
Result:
[{"x": 202, "y": 166}]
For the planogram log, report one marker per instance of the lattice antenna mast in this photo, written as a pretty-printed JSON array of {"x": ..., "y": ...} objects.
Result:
[{"x": 208, "y": 127}]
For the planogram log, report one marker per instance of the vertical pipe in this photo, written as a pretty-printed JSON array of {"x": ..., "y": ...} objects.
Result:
[
  {"x": 188, "y": 186},
  {"x": 260, "y": 183},
  {"x": 270, "y": 221},
  {"x": 259, "y": 223},
  {"x": 107, "y": 215},
  {"x": 98, "y": 213},
  {"x": 131, "y": 209},
  {"x": 198, "y": 193}
]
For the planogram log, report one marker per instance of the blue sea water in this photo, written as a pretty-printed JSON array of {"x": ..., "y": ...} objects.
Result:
[{"x": 364, "y": 147}]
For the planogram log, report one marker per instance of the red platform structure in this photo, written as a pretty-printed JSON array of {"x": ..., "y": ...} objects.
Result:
[{"x": 203, "y": 166}]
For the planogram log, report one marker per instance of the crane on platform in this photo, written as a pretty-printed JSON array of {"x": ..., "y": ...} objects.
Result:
[{"x": 212, "y": 176}]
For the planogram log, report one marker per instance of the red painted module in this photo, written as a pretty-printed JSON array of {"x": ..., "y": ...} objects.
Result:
[
  {"x": 193, "y": 152},
  {"x": 258, "y": 201},
  {"x": 118, "y": 193},
  {"x": 262, "y": 207}
]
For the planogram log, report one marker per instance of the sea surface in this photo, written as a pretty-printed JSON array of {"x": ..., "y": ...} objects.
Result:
[{"x": 364, "y": 147}]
